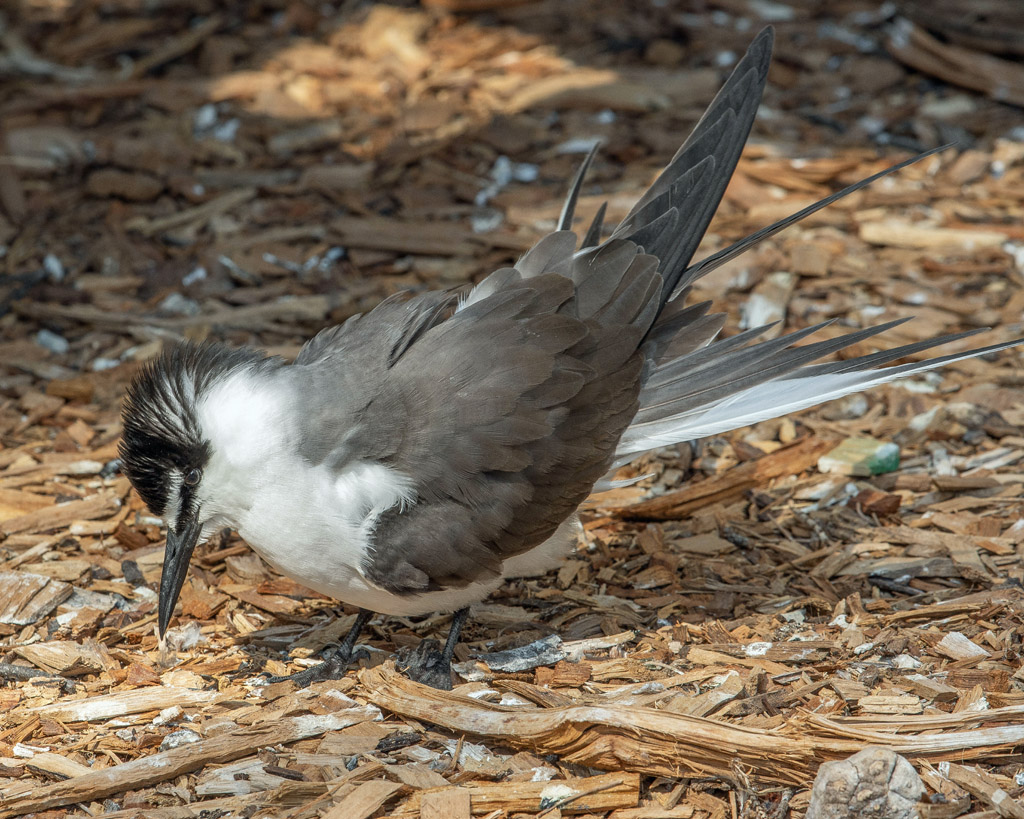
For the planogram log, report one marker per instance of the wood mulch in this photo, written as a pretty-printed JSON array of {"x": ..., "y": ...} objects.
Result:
[{"x": 254, "y": 172}]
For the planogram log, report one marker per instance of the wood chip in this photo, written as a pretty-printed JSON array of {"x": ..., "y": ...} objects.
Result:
[
  {"x": 986, "y": 789},
  {"x": 446, "y": 803},
  {"x": 590, "y": 794},
  {"x": 364, "y": 801},
  {"x": 958, "y": 647},
  {"x": 787, "y": 461},
  {"x": 55, "y": 517},
  {"x": 25, "y": 598}
]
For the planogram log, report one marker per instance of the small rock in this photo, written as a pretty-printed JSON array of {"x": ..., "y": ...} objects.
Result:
[
  {"x": 179, "y": 305},
  {"x": 101, "y": 363},
  {"x": 969, "y": 415},
  {"x": 227, "y": 131},
  {"x": 485, "y": 219},
  {"x": 861, "y": 456},
  {"x": 176, "y": 739},
  {"x": 52, "y": 342},
  {"x": 875, "y": 784},
  {"x": 54, "y": 268},
  {"x": 205, "y": 117},
  {"x": 197, "y": 275},
  {"x": 580, "y": 145}
]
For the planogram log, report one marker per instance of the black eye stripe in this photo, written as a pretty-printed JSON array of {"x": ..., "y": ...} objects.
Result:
[{"x": 186, "y": 506}]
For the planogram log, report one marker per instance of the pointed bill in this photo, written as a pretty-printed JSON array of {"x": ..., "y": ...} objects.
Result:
[{"x": 181, "y": 542}]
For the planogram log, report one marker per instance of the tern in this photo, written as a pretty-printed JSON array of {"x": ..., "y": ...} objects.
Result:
[{"x": 413, "y": 457}]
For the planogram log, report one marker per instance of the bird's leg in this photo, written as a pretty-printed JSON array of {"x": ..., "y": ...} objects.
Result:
[
  {"x": 336, "y": 663},
  {"x": 431, "y": 667}
]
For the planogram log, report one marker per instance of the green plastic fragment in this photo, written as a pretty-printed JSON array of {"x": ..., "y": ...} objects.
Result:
[{"x": 861, "y": 456}]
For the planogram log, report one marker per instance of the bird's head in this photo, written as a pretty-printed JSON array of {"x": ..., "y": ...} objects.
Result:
[{"x": 165, "y": 452}]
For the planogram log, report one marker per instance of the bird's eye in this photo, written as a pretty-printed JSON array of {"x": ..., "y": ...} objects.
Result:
[{"x": 192, "y": 477}]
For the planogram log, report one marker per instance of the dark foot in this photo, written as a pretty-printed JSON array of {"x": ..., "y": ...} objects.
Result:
[
  {"x": 431, "y": 665},
  {"x": 336, "y": 663},
  {"x": 333, "y": 668},
  {"x": 426, "y": 664}
]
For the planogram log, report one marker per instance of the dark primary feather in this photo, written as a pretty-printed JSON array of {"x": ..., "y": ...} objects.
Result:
[
  {"x": 726, "y": 254},
  {"x": 569, "y": 208},
  {"x": 694, "y": 181}
]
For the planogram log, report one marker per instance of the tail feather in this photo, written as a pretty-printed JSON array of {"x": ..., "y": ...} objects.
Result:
[
  {"x": 695, "y": 179},
  {"x": 871, "y": 360},
  {"x": 740, "y": 370},
  {"x": 771, "y": 400},
  {"x": 719, "y": 360},
  {"x": 569, "y": 208}
]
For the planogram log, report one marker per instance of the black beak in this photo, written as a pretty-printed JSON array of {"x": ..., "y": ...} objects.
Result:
[{"x": 177, "y": 554}]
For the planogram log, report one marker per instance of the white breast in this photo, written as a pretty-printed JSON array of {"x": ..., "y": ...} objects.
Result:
[{"x": 314, "y": 525}]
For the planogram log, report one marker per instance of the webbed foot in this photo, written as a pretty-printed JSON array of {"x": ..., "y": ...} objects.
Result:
[
  {"x": 336, "y": 663},
  {"x": 427, "y": 664},
  {"x": 333, "y": 668}
]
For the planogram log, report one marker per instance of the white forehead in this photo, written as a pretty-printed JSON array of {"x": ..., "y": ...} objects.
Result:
[{"x": 243, "y": 416}]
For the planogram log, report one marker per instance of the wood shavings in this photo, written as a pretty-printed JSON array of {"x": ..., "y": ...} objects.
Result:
[
  {"x": 168, "y": 764},
  {"x": 253, "y": 180}
]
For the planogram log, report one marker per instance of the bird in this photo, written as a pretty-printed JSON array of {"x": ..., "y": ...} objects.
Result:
[{"x": 412, "y": 458}]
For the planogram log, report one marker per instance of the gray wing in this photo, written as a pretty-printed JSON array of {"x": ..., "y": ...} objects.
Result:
[{"x": 504, "y": 413}]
